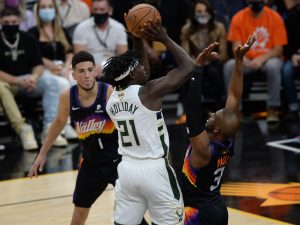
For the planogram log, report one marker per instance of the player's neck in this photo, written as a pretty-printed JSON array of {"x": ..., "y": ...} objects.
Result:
[{"x": 218, "y": 138}]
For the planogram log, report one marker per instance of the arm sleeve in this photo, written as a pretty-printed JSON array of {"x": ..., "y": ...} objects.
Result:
[{"x": 194, "y": 121}]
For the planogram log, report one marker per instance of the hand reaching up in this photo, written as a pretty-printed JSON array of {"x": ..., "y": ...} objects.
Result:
[
  {"x": 207, "y": 54},
  {"x": 241, "y": 51}
]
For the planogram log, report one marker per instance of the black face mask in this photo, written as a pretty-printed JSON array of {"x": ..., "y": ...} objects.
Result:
[
  {"x": 257, "y": 6},
  {"x": 10, "y": 30},
  {"x": 100, "y": 18}
]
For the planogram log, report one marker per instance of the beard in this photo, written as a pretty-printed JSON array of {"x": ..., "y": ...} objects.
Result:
[{"x": 87, "y": 89}]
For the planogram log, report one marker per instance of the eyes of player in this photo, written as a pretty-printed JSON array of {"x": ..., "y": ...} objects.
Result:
[{"x": 90, "y": 69}]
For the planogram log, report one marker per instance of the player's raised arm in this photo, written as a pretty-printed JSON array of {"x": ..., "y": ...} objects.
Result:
[
  {"x": 176, "y": 77},
  {"x": 55, "y": 129},
  {"x": 235, "y": 89}
]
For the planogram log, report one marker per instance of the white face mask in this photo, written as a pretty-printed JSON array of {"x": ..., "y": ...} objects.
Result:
[{"x": 202, "y": 18}]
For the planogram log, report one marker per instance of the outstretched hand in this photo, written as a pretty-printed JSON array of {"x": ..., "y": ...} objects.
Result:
[
  {"x": 207, "y": 54},
  {"x": 241, "y": 51}
]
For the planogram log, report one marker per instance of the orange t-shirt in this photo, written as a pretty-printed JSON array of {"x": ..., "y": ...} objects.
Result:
[{"x": 269, "y": 29}]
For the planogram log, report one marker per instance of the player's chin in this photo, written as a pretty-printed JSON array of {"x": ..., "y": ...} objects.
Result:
[{"x": 88, "y": 85}]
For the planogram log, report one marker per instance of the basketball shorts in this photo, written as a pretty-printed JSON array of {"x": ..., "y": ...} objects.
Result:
[
  {"x": 212, "y": 215},
  {"x": 147, "y": 184},
  {"x": 92, "y": 180}
]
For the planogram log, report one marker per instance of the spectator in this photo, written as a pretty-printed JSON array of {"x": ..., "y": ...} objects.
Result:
[
  {"x": 291, "y": 66},
  {"x": 100, "y": 35},
  {"x": 56, "y": 47},
  {"x": 72, "y": 12},
  {"x": 21, "y": 72},
  {"x": 200, "y": 31},
  {"x": 27, "y": 17},
  {"x": 265, "y": 54}
]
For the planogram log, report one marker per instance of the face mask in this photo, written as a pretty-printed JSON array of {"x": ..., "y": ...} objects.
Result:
[
  {"x": 100, "y": 18},
  {"x": 12, "y": 3},
  {"x": 257, "y": 6},
  {"x": 10, "y": 30},
  {"x": 47, "y": 15},
  {"x": 202, "y": 19}
]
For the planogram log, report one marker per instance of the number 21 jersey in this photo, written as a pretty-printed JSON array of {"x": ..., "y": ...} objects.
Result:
[{"x": 142, "y": 132}]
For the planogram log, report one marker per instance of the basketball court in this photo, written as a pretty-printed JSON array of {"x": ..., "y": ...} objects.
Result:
[{"x": 47, "y": 200}]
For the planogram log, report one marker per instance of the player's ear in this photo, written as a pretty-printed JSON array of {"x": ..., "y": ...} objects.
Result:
[
  {"x": 216, "y": 130},
  {"x": 132, "y": 75}
]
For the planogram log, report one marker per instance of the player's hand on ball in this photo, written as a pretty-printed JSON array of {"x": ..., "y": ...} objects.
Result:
[{"x": 154, "y": 32}]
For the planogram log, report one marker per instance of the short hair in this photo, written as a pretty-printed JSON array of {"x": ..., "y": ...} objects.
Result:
[
  {"x": 117, "y": 65},
  {"x": 82, "y": 56},
  {"x": 10, "y": 11},
  {"x": 108, "y": 1}
]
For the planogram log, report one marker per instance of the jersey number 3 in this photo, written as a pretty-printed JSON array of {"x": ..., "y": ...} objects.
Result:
[
  {"x": 124, "y": 132},
  {"x": 219, "y": 174}
]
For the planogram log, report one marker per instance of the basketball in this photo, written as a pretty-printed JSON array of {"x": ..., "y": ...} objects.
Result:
[{"x": 140, "y": 14}]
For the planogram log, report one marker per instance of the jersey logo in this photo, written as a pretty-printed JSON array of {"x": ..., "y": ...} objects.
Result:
[
  {"x": 121, "y": 95},
  {"x": 98, "y": 109},
  {"x": 115, "y": 160},
  {"x": 75, "y": 108}
]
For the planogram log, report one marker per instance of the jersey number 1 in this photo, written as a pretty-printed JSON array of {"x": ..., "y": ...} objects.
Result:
[{"x": 124, "y": 132}]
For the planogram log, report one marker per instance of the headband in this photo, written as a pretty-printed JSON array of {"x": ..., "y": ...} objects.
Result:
[{"x": 126, "y": 73}]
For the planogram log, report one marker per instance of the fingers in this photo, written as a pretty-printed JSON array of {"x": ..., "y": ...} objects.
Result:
[
  {"x": 125, "y": 17},
  {"x": 212, "y": 46},
  {"x": 150, "y": 29},
  {"x": 36, "y": 167},
  {"x": 41, "y": 168},
  {"x": 32, "y": 172},
  {"x": 251, "y": 39}
]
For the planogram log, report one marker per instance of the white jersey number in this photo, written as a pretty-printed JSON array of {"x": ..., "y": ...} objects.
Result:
[
  {"x": 124, "y": 132},
  {"x": 219, "y": 173}
]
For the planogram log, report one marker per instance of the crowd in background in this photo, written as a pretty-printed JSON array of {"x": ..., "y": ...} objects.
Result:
[{"x": 38, "y": 40}]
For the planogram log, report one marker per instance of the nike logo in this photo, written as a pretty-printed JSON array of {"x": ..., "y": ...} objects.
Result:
[
  {"x": 73, "y": 108},
  {"x": 115, "y": 160}
]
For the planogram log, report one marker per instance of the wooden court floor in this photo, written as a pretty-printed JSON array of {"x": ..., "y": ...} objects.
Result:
[{"x": 48, "y": 200}]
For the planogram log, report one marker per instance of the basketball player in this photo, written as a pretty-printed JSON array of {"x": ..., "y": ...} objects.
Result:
[
  {"x": 146, "y": 180},
  {"x": 211, "y": 148},
  {"x": 86, "y": 102}
]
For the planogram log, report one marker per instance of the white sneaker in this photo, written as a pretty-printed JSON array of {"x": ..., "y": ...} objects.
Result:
[
  {"x": 27, "y": 138},
  {"x": 69, "y": 132},
  {"x": 59, "y": 141}
]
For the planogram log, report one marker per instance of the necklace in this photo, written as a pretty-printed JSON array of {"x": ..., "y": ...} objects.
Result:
[{"x": 13, "y": 47}]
